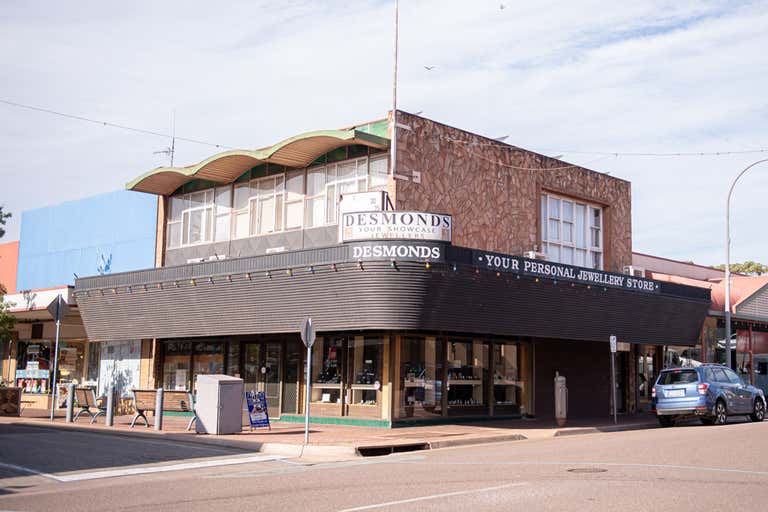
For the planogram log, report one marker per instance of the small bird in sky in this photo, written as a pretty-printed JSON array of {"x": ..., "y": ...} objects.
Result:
[{"x": 429, "y": 68}]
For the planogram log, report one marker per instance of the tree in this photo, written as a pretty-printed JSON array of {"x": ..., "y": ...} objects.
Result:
[
  {"x": 3, "y": 217},
  {"x": 7, "y": 321},
  {"x": 751, "y": 268}
]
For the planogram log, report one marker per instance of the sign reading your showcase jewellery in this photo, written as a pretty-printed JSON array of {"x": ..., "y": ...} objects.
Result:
[
  {"x": 535, "y": 268},
  {"x": 395, "y": 225}
]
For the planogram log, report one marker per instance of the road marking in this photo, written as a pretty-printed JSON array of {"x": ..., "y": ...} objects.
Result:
[
  {"x": 112, "y": 473},
  {"x": 22, "y": 469},
  {"x": 433, "y": 497}
]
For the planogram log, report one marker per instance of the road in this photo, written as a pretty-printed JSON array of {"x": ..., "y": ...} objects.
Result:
[{"x": 682, "y": 468}]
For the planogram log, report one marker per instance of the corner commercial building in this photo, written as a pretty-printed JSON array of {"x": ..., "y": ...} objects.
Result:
[{"x": 472, "y": 322}]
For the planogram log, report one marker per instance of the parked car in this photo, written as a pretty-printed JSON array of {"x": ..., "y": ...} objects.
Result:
[{"x": 711, "y": 392}]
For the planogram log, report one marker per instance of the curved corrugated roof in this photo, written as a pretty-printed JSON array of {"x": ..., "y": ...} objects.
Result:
[{"x": 226, "y": 167}]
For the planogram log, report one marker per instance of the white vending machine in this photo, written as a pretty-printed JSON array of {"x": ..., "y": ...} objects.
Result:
[{"x": 219, "y": 404}]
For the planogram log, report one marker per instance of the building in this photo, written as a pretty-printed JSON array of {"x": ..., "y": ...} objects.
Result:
[
  {"x": 106, "y": 233},
  {"x": 749, "y": 316},
  {"x": 479, "y": 270}
]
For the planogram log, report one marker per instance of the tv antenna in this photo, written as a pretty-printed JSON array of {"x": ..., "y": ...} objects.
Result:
[{"x": 170, "y": 150}]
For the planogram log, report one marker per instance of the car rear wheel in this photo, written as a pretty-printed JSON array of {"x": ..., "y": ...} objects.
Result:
[
  {"x": 721, "y": 414},
  {"x": 758, "y": 412},
  {"x": 666, "y": 421}
]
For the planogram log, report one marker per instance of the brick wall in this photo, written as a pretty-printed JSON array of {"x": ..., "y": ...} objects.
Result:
[{"x": 493, "y": 190}]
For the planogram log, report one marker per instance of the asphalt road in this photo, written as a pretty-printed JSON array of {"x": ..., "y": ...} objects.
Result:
[{"x": 683, "y": 468}]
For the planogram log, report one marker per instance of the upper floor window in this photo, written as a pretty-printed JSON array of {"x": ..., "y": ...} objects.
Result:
[
  {"x": 294, "y": 199},
  {"x": 199, "y": 217},
  {"x": 572, "y": 231}
]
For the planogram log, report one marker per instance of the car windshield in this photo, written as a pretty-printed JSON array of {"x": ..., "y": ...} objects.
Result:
[{"x": 678, "y": 377}]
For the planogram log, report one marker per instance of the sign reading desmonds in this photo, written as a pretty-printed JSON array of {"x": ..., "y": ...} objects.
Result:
[
  {"x": 394, "y": 225},
  {"x": 525, "y": 266}
]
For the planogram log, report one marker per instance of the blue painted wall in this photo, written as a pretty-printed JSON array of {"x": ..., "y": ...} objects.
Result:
[{"x": 59, "y": 241}]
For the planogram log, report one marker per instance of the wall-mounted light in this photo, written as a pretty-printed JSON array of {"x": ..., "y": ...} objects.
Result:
[
  {"x": 192, "y": 282},
  {"x": 393, "y": 264},
  {"x": 159, "y": 286},
  {"x": 268, "y": 274},
  {"x": 334, "y": 267},
  {"x": 311, "y": 269},
  {"x": 554, "y": 282},
  {"x": 248, "y": 276},
  {"x": 176, "y": 284},
  {"x": 229, "y": 278},
  {"x": 114, "y": 291},
  {"x": 210, "y": 280},
  {"x": 427, "y": 265},
  {"x": 498, "y": 274},
  {"x": 289, "y": 272},
  {"x": 536, "y": 280},
  {"x": 128, "y": 289}
]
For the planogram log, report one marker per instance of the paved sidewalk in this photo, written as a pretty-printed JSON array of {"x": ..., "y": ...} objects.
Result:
[{"x": 348, "y": 441}]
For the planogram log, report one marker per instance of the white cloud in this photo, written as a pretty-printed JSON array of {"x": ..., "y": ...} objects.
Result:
[{"x": 634, "y": 77}]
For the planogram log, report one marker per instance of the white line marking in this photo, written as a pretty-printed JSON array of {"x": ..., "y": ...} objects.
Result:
[
  {"x": 111, "y": 473},
  {"x": 432, "y": 497},
  {"x": 22, "y": 469}
]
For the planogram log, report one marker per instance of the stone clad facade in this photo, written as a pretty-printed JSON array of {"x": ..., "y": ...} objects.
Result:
[{"x": 493, "y": 190}]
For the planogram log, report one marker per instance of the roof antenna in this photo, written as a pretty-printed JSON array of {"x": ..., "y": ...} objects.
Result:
[{"x": 170, "y": 150}]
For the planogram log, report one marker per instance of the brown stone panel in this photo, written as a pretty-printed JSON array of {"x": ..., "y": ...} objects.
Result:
[{"x": 493, "y": 190}]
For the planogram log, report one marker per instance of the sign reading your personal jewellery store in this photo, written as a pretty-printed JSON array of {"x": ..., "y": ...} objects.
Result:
[
  {"x": 559, "y": 271},
  {"x": 395, "y": 225}
]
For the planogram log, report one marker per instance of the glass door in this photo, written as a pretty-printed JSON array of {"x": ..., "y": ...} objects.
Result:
[{"x": 262, "y": 372}]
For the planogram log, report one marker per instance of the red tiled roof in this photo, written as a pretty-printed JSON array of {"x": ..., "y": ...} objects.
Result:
[{"x": 742, "y": 287}]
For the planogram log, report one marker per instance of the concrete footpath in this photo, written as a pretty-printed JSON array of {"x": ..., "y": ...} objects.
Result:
[{"x": 347, "y": 441}]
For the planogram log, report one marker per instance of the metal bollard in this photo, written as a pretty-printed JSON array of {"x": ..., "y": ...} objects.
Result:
[
  {"x": 70, "y": 401},
  {"x": 110, "y": 419},
  {"x": 159, "y": 410}
]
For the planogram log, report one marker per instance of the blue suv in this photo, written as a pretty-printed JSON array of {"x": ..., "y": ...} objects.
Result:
[{"x": 711, "y": 391}]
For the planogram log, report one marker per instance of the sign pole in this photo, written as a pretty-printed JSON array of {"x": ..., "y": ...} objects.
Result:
[
  {"x": 307, "y": 331},
  {"x": 306, "y": 400},
  {"x": 54, "y": 380},
  {"x": 613, "y": 377}
]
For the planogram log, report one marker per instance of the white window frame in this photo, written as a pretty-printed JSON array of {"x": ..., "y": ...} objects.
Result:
[
  {"x": 330, "y": 189},
  {"x": 557, "y": 247}
]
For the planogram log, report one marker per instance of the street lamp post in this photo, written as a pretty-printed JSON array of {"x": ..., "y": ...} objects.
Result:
[{"x": 728, "y": 263}]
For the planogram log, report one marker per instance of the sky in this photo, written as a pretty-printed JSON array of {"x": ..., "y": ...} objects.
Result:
[{"x": 593, "y": 81}]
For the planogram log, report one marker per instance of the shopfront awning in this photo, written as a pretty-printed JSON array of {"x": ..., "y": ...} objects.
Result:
[
  {"x": 299, "y": 151},
  {"x": 448, "y": 294}
]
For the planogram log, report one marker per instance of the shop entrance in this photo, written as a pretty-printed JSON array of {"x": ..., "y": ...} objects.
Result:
[{"x": 262, "y": 371}]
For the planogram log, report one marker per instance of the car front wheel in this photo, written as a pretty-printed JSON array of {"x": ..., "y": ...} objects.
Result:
[
  {"x": 758, "y": 412},
  {"x": 721, "y": 414}
]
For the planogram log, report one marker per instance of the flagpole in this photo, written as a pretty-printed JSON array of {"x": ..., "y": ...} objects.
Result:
[{"x": 393, "y": 148}]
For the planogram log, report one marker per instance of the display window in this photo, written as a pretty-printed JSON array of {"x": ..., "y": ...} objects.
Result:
[
  {"x": 421, "y": 376},
  {"x": 467, "y": 376},
  {"x": 33, "y": 363},
  {"x": 183, "y": 360},
  {"x": 365, "y": 356},
  {"x": 327, "y": 371},
  {"x": 509, "y": 389}
]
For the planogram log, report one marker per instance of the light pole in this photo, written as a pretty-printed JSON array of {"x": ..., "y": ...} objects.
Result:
[{"x": 728, "y": 263}]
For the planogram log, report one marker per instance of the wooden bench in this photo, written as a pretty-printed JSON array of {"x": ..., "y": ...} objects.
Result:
[
  {"x": 145, "y": 400},
  {"x": 86, "y": 399}
]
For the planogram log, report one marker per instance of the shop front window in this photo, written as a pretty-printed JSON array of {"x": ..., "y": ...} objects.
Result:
[
  {"x": 467, "y": 376},
  {"x": 176, "y": 366},
  {"x": 509, "y": 379},
  {"x": 366, "y": 356},
  {"x": 327, "y": 374},
  {"x": 34, "y": 366},
  {"x": 421, "y": 372}
]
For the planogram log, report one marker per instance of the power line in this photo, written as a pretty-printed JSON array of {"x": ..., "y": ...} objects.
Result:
[
  {"x": 499, "y": 143},
  {"x": 111, "y": 125}
]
